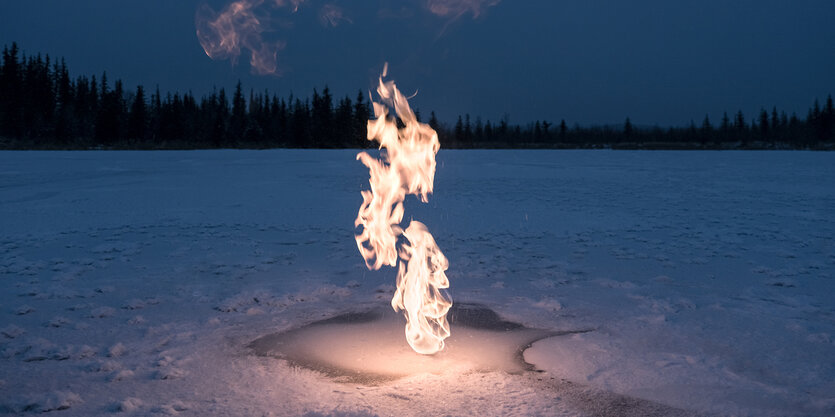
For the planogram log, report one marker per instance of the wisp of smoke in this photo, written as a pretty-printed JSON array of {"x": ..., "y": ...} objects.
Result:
[
  {"x": 457, "y": 8},
  {"x": 294, "y": 4},
  {"x": 331, "y": 14},
  {"x": 223, "y": 35}
]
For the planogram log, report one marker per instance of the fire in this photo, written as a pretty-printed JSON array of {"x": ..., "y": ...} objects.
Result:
[{"x": 407, "y": 166}]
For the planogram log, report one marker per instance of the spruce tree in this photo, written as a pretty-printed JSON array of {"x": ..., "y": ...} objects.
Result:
[
  {"x": 237, "y": 123},
  {"x": 138, "y": 120},
  {"x": 361, "y": 116}
]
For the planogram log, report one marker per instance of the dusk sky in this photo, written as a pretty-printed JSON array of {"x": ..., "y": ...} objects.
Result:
[{"x": 589, "y": 62}]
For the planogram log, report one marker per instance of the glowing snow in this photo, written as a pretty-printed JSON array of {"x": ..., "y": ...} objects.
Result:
[{"x": 369, "y": 346}]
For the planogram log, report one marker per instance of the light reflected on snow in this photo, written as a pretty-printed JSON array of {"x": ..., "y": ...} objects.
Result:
[{"x": 369, "y": 347}]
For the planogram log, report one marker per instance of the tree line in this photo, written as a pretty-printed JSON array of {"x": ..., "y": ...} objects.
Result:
[
  {"x": 769, "y": 130},
  {"x": 43, "y": 107}
]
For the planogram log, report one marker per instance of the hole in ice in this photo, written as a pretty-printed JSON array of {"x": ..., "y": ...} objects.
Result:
[{"x": 370, "y": 346}]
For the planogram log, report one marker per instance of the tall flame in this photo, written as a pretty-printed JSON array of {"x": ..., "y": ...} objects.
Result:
[{"x": 406, "y": 167}]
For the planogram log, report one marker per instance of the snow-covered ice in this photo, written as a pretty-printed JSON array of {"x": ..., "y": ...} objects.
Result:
[{"x": 134, "y": 282}]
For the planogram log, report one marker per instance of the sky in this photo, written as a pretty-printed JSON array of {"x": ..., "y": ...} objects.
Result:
[{"x": 658, "y": 62}]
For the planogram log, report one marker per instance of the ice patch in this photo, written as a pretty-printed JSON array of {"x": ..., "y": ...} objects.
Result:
[{"x": 370, "y": 347}]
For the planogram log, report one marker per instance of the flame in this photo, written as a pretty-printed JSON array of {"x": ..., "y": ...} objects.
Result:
[
  {"x": 407, "y": 167},
  {"x": 418, "y": 290}
]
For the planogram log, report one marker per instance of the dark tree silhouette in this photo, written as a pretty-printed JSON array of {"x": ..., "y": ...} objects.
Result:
[
  {"x": 11, "y": 92},
  {"x": 138, "y": 121},
  {"x": 43, "y": 106},
  {"x": 627, "y": 129}
]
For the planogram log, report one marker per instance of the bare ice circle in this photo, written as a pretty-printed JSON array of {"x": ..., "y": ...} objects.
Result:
[{"x": 370, "y": 346}]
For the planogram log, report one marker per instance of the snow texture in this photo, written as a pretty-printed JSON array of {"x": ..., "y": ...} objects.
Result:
[{"x": 133, "y": 282}]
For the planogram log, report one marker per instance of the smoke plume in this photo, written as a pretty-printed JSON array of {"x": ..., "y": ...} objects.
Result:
[
  {"x": 223, "y": 35},
  {"x": 457, "y": 8},
  {"x": 239, "y": 28}
]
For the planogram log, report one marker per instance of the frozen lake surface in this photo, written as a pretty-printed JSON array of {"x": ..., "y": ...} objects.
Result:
[{"x": 133, "y": 282}]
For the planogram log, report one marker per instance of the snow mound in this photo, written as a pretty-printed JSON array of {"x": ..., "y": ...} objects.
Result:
[{"x": 43, "y": 403}]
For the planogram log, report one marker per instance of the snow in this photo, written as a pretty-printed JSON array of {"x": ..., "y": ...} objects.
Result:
[{"x": 132, "y": 283}]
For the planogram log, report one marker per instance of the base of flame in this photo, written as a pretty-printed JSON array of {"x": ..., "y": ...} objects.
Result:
[{"x": 368, "y": 346}]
